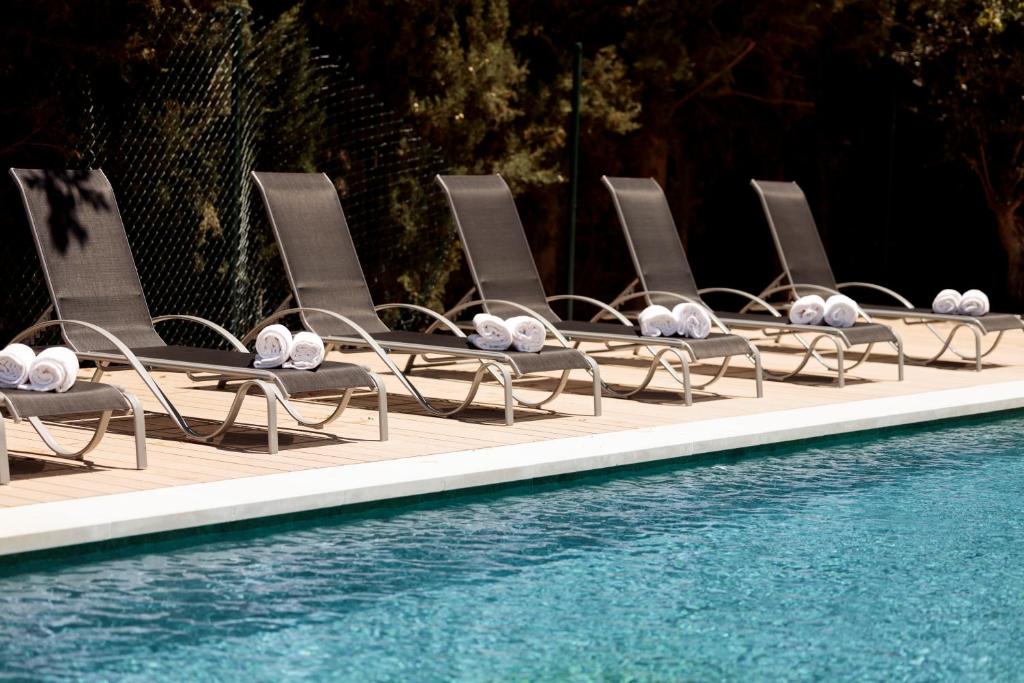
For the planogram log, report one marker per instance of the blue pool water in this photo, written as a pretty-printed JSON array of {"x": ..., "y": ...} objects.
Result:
[{"x": 898, "y": 557}]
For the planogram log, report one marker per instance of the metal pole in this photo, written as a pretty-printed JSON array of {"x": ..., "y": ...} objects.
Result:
[{"x": 574, "y": 172}]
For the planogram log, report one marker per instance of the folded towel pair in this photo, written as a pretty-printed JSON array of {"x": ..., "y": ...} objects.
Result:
[
  {"x": 54, "y": 369},
  {"x": 277, "y": 347},
  {"x": 838, "y": 310},
  {"x": 524, "y": 333},
  {"x": 686, "y": 319},
  {"x": 973, "y": 302}
]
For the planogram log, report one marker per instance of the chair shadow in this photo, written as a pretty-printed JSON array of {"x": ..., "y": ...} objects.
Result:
[
  {"x": 240, "y": 438},
  {"x": 884, "y": 359}
]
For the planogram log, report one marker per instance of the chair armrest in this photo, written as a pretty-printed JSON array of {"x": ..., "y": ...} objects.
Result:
[
  {"x": 878, "y": 288},
  {"x": 227, "y": 336},
  {"x": 605, "y": 308},
  {"x": 752, "y": 298},
  {"x": 439, "y": 320},
  {"x": 458, "y": 308},
  {"x": 646, "y": 293},
  {"x": 284, "y": 312}
]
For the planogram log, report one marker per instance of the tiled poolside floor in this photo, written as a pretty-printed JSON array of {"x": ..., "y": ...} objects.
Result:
[{"x": 353, "y": 438}]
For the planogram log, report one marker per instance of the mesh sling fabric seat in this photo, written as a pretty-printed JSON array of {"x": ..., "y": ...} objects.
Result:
[
  {"x": 333, "y": 299},
  {"x": 806, "y": 270},
  {"x": 91, "y": 276},
  {"x": 83, "y": 397},
  {"x": 665, "y": 277},
  {"x": 503, "y": 270}
]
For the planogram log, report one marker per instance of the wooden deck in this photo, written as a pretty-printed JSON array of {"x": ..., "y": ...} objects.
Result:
[{"x": 353, "y": 438}]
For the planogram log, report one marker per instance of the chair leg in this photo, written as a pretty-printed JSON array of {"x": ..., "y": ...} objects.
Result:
[
  {"x": 272, "y": 442},
  {"x": 758, "y": 372},
  {"x": 139, "y": 417},
  {"x": 840, "y": 366},
  {"x": 5, "y": 467},
  {"x": 687, "y": 389},
  {"x": 382, "y": 406}
]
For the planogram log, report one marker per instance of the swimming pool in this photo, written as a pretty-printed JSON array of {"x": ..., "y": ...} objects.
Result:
[{"x": 892, "y": 557}]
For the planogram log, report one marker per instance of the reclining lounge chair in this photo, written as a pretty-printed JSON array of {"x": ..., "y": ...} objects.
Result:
[
  {"x": 83, "y": 397},
  {"x": 665, "y": 277},
  {"x": 326, "y": 279},
  {"x": 503, "y": 269},
  {"x": 806, "y": 270},
  {"x": 92, "y": 278}
]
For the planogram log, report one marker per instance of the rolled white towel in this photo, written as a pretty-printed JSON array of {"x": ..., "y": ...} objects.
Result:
[
  {"x": 492, "y": 333},
  {"x": 692, "y": 320},
  {"x": 54, "y": 369},
  {"x": 840, "y": 311},
  {"x": 947, "y": 302},
  {"x": 273, "y": 347},
  {"x": 307, "y": 351},
  {"x": 657, "y": 321},
  {"x": 807, "y": 310},
  {"x": 973, "y": 302},
  {"x": 15, "y": 361},
  {"x": 527, "y": 333}
]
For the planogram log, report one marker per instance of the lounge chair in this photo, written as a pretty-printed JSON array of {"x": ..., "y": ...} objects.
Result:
[
  {"x": 503, "y": 269},
  {"x": 91, "y": 276},
  {"x": 326, "y": 279},
  {"x": 83, "y": 397},
  {"x": 806, "y": 270},
  {"x": 665, "y": 277}
]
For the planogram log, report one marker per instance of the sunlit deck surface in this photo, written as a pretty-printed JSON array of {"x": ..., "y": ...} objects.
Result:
[{"x": 352, "y": 439}]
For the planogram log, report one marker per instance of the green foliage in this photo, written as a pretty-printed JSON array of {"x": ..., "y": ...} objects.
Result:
[{"x": 966, "y": 58}]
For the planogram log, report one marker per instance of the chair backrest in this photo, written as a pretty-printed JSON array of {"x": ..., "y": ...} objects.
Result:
[
  {"x": 86, "y": 260},
  {"x": 494, "y": 242},
  {"x": 317, "y": 250},
  {"x": 654, "y": 244},
  {"x": 796, "y": 236}
]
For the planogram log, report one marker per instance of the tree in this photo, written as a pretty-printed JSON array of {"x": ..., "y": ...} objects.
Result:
[{"x": 965, "y": 57}]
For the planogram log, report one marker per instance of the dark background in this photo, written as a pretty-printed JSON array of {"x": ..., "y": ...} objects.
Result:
[{"x": 879, "y": 110}]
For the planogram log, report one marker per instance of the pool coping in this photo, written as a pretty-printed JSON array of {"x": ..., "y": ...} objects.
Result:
[{"x": 47, "y": 526}]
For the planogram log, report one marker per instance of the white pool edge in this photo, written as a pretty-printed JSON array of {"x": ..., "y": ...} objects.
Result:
[{"x": 102, "y": 518}]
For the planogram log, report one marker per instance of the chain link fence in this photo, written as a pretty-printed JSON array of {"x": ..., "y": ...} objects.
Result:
[{"x": 233, "y": 93}]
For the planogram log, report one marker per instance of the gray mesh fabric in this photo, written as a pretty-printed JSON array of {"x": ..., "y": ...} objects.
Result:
[
  {"x": 548, "y": 358},
  {"x": 85, "y": 256},
  {"x": 495, "y": 244},
  {"x": 992, "y": 322},
  {"x": 653, "y": 239},
  {"x": 329, "y": 375},
  {"x": 796, "y": 235},
  {"x": 715, "y": 345},
  {"x": 83, "y": 397},
  {"x": 317, "y": 249}
]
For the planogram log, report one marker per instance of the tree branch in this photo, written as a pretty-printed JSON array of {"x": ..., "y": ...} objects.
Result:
[{"x": 714, "y": 77}]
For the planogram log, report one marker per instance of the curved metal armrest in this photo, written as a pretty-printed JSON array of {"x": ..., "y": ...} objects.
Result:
[
  {"x": 438, "y": 318},
  {"x": 277, "y": 315},
  {"x": 824, "y": 290},
  {"x": 227, "y": 336},
  {"x": 682, "y": 299},
  {"x": 595, "y": 302},
  {"x": 511, "y": 304},
  {"x": 746, "y": 295},
  {"x": 878, "y": 288},
  {"x": 792, "y": 289}
]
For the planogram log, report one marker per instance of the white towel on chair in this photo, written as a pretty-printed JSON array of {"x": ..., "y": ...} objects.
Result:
[
  {"x": 692, "y": 320},
  {"x": 947, "y": 302},
  {"x": 657, "y": 321},
  {"x": 527, "y": 333},
  {"x": 841, "y": 311},
  {"x": 492, "y": 333},
  {"x": 307, "y": 351},
  {"x": 54, "y": 369},
  {"x": 807, "y": 310},
  {"x": 973, "y": 302},
  {"x": 15, "y": 361},
  {"x": 273, "y": 347}
]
